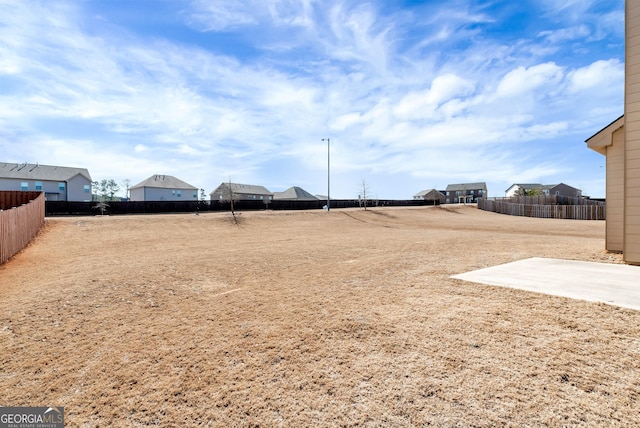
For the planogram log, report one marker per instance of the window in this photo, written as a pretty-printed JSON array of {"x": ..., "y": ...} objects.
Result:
[
  {"x": 261, "y": 198},
  {"x": 178, "y": 193},
  {"x": 195, "y": 194},
  {"x": 87, "y": 188},
  {"x": 471, "y": 192},
  {"x": 61, "y": 186},
  {"x": 38, "y": 185},
  {"x": 24, "y": 185}
]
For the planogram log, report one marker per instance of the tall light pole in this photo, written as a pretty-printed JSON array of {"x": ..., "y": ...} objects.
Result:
[{"x": 328, "y": 173}]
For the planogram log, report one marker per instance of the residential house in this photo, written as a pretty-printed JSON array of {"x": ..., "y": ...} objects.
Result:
[
  {"x": 561, "y": 190},
  {"x": 59, "y": 183},
  {"x": 465, "y": 193},
  {"x": 241, "y": 192},
  {"x": 163, "y": 188},
  {"x": 294, "y": 194},
  {"x": 430, "y": 195},
  {"x": 620, "y": 143},
  {"x": 545, "y": 189}
]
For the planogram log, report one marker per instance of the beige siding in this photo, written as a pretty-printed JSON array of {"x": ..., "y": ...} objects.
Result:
[
  {"x": 615, "y": 192},
  {"x": 632, "y": 134}
]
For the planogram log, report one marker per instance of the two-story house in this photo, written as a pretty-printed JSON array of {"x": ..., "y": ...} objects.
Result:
[
  {"x": 59, "y": 183},
  {"x": 465, "y": 192}
]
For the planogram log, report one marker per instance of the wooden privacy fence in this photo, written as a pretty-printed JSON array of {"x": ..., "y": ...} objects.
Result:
[
  {"x": 586, "y": 211},
  {"x": 21, "y": 216}
]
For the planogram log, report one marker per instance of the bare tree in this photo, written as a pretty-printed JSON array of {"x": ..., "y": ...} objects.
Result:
[
  {"x": 363, "y": 197},
  {"x": 127, "y": 185},
  {"x": 102, "y": 206},
  {"x": 228, "y": 195}
]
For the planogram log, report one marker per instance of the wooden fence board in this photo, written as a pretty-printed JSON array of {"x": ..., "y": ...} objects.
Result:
[
  {"x": 20, "y": 222},
  {"x": 546, "y": 208}
]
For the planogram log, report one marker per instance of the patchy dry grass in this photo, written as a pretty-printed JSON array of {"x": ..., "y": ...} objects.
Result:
[{"x": 347, "y": 318}]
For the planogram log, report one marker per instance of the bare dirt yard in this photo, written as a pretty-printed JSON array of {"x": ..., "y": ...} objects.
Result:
[{"x": 309, "y": 318}]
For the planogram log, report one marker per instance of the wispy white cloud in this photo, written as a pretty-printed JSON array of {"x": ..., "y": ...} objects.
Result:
[{"x": 432, "y": 92}]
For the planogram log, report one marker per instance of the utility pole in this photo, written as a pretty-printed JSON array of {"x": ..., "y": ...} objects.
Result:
[{"x": 328, "y": 173}]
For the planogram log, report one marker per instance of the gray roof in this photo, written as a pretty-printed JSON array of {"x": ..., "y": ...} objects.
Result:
[
  {"x": 467, "y": 186},
  {"x": 435, "y": 192},
  {"x": 295, "y": 193},
  {"x": 31, "y": 171},
  {"x": 158, "y": 181},
  {"x": 551, "y": 186},
  {"x": 424, "y": 192},
  {"x": 245, "y": 189}
]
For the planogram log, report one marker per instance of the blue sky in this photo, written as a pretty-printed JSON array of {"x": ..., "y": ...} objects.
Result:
[{"x": 413, "y": 94}]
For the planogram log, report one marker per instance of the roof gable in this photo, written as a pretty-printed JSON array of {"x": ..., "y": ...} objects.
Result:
[
  {"x": 158, "y": 181},
  {"x": 426, "y": 192},
  {"x": 296, "y": 193}
]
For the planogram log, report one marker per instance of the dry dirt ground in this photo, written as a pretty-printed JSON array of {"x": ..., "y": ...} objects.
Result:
[{"x": 294, "y": 319}]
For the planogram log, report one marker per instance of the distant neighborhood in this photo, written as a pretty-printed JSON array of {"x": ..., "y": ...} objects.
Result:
[{"x": 60, "y": 183}]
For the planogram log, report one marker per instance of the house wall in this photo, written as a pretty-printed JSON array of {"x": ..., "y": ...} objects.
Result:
[
  {"x": 76, "y": 190},
  {"x": 457, "y": 196},
  {"x": 615, "y": 192},
  {"x": 632, "y": 134},
  {"x": 434, "y": 195},
  {"x": 73, "y": 190},
  {"x": 511, "y": 191},
  {"x": 160, "y": 194},
  {"x": 252, "y": 197},
  {"x": 223, "y": 194},
  {"x": 564, "y": 190}
]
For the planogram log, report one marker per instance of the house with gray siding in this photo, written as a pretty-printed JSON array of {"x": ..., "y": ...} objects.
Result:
[
  {"x": 561, "y": 190},
  {"x": 241, "y": 192},
  {"x": 59, "y": 183},
  {"x": 430, "y": 195},
  {"x": 465, "y": 193},
  {"x": 163, "y": 188}
]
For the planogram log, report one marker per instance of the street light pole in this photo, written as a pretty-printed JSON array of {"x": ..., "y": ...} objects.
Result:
[{"x": 328, "y": 173}]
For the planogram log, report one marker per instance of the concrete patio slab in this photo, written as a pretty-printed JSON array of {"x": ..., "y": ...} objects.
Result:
[{"x": 595, "y": 282}]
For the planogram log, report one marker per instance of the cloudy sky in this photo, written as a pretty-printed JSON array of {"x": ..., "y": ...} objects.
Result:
[{"x": 412, "y": 94}]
